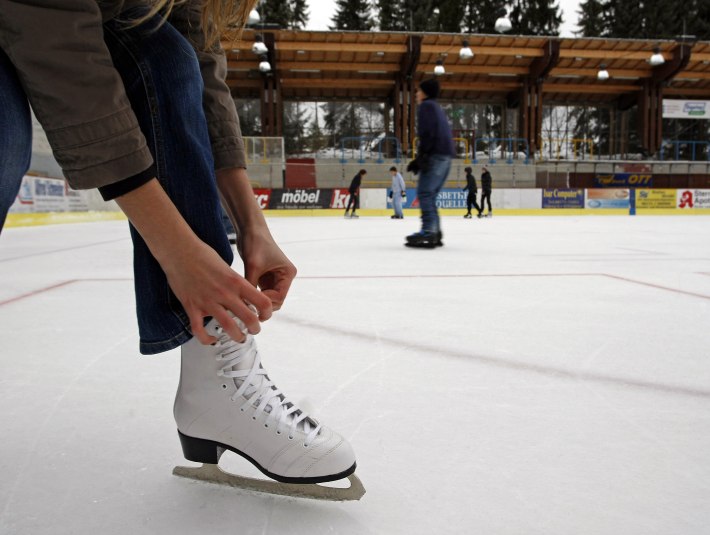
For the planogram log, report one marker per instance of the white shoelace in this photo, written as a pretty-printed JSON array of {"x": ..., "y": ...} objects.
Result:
[{"x": 260, "y": 392}]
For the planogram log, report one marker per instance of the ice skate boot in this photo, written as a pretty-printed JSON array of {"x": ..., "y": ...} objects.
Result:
[
  {"x": 467, "y": 216},
  {"x": 347, "y": 214},
  {"x": 226, "y": 401},
  {"x": 423, "y": 240}
]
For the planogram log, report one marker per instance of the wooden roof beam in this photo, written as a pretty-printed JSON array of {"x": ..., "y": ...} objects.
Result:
[
  {"x": 526, "y": 52},
  {"x": 671, "y": 68},
  {"x": 542, "y": 65}
]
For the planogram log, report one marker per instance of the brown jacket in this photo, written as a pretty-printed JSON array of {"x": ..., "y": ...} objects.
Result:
[{"x": 58, "y": 50}]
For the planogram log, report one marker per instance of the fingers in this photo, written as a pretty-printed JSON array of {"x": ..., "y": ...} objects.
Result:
[
  {"x": 198, "y": 329},
  {"x": 277, "y": 291},
  {"x": 262, "y": 304},
  {"x": 230, "y": 326}
]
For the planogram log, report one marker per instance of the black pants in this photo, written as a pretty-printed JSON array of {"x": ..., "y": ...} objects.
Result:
[
  {"x": 354, "y": 202},
  {"x": 486, "y": 195},
  {"x": 471, "y": 201}
]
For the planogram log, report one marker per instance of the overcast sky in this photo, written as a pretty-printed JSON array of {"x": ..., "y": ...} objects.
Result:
[{"x": 321, "y": 11}]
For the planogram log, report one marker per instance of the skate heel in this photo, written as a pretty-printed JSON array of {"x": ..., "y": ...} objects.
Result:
[{"x": 199, "y": 450}]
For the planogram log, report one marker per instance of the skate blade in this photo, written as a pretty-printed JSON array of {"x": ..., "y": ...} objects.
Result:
[{"x": 212, "y": 473}]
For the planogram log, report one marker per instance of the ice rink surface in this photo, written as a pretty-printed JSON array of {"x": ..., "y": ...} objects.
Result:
[{"x": 537, "y": 375}]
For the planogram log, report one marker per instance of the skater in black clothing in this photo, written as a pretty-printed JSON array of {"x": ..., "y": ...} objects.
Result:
[
  {"x": 472, "y": 192},
  {"x": 354, "y": 194},
  {"x": 486, "y": 187}
]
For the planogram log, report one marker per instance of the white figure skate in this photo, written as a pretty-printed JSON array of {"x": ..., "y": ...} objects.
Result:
[{"x": 226, "y": 401}]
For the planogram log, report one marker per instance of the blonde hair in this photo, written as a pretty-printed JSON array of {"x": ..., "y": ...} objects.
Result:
[{"x": 216, "y": 16}]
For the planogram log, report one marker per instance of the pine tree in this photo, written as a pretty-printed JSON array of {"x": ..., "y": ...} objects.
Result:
[
  {"x": 591, "y": 21},
  {"x": 699, "y": 25},
  {"x": 479, "y": 16},
  {"x": 276, "y": 12},
  {"x": 299, "y": 14},
  {"x": 451, "y": 13},
  {"x": 624, "y": 19},
  {"x": 353, "y": 15},
  {"x": 391, "y": 15},
  {"x": 664, "y": 19},
  {"x": 249, "y": 121},
  {"x": 294, "y": 127},
  {"x": 536, "y": 17},
  {"x": 419, "y": 14}
]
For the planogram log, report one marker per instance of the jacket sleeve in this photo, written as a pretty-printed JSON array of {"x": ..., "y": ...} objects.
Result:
[
  {"x": 222, "y": 119},
  {"x": 65, "y": 68},
  {"x": 426, "y": 129}
]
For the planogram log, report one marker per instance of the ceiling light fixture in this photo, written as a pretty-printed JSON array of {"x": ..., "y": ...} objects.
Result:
[
  {"x": 657, "y": 58},
  {"x": 439, "y": 69},
  {"x": 264, "y": 65},
  {"x": 465, "y": 52},
  {"x": 254, "y": 17},
  {"x": 503, "y": 23},
  {"x": 603, "y": 74},
  {"x": 259, "y": 48}
]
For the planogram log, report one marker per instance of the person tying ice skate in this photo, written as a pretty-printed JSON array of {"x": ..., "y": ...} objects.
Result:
[
  {"x": 133, "y": 98},
  {"x": 433, "y": 162}
]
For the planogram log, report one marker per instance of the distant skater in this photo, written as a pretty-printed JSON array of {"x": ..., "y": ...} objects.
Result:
[
  {"x": 486, "y": 188},
  {"x": 433, "y": 162},
  {"x": 472, "y": 192},
  {"x": 397, "y": 193},
  {"x": 354, "y": 190}
]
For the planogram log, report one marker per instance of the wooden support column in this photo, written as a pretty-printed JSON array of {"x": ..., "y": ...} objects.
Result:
[
  {"x": 271, "y": 101},
  {"x": 412, "y": 104},
  {"x": 529, "y": 97},
  {"x": 404, "y": 91},
  {"x": 397, "y": 107}
]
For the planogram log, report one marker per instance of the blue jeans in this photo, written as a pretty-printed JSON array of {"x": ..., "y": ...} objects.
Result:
[
  {"x": 430, "y": 183},
  {"x": 15, "y": 135},
  {"x": 162, "y": 78}
]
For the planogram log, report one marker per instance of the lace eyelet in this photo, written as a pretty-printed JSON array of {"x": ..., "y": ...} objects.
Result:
[
  {"x": 290, "y": 437},
  {"x": 253, "y": 418},
  {"x": 224, "y": 387},
  {"x": 266, "y": 425},
  {"x": 278, "y": 432}
]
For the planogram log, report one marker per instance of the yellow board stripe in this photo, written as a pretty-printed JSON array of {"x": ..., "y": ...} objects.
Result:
[{"x": 60, "y": 218}]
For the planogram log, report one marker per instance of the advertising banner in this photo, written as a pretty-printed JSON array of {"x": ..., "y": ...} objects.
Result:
[
  {"x": 339, "y": 199},
  {"x": 285, "y": 199},
  {"x": 563, "y": 198},
  {"x": 608, "y": 198},
  {"x": 262, "y": 196},
  {"x": 624, "y": 180},
  {"x": 686, "y": 109},
  {"x": 447, "y": 198},
  {"x": 655, "y": 198},
  {"x": 452, "y": 198},
  {"x": 693, "y": 198}
]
